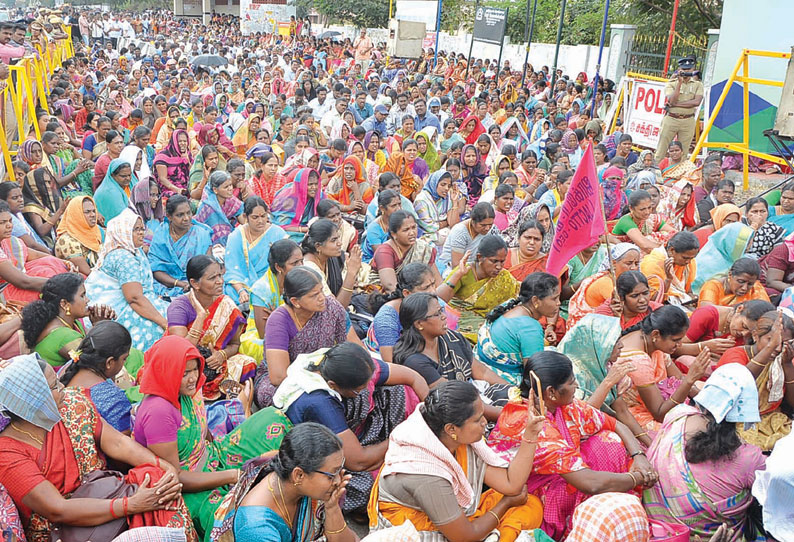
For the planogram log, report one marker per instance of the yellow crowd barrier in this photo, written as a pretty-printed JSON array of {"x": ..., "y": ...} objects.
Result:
[{"x": 26, "y": 87}]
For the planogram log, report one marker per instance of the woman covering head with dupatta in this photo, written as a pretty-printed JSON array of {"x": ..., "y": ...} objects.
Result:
[
  {"x": 113, "y": 195},
  {"x": 172, "y": 423},
  {"x": 350, "y": 186},
  {"x": 398, "y": 164},
  {"x": 724, "y": 247},
  {"x": 470, "y": 129},
  {"x": 296, "y": 203},
  {"x": 172, "y": 164},
  {"x": 79, "y": 236},
  {"x": 424, "y": 138},
  {"x": 677, "y": 207}
]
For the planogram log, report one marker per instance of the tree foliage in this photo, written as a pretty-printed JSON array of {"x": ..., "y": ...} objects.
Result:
[{"x": 369, "y": 13}]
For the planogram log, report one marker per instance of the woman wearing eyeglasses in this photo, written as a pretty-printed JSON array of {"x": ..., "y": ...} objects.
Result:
[{"x": 281, "y": 497}]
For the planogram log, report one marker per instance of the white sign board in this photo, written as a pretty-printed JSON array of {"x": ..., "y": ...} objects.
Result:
[
  {"x": 263, "y": 17},
  {"x": 645, "y": 112},
  {"x": 420, "y": 11}
]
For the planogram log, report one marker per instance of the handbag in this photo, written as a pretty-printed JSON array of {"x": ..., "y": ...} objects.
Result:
[
  {"x": 99, "y": 484},
  {"x": 668, "y": 532}
]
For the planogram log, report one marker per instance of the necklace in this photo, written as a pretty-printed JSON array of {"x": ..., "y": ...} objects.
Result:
[
  {"x": 397, "y": 249},
  {"x": 529, "y": 312},
  {"x": 31, "y": 435},
  {"x": 65, "y": 323},
  {"x": 645, "y": 343},
  {"x": 283, "y": 511},
  {"x": 297, "y": 320}
]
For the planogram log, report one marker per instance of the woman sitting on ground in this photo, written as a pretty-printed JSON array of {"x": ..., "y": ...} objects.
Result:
[
  {"x": 322, "y": 252},
  {"x": 705, "y": 471},
  {"x": 440, "y": 354},
  {"x": 219, "y": 208},
  {"x": 206, "y": 317},
  {"x": 641, "y": 226},
  {"x": 723, "y": 248},
  {"x": 41, "y": 466},
  {"x": 464, "y": 237},
  {"x": 769, "y": 360},
  {"x": 24, "y": 271},
  {"x": 596, "y": 289},
  {"x": 578, "y": 447},
  {"x": 740, "y": 285},
  {"x": 378, "y": 230},
  {"x": 122, "y": 279},
  {"x": 633, "y": 302},
  {"x": 657, "y": 385},
  {"x": 308, "y": 321},
  {"x": 266, "y": 295},
  {"x": 308, "y": 473},
  {"x": 171, "y": 421},
  {"x": 296, "y": 203},
  {"x": 437, "y": 464},
  {"x": 439, "y": 206},
  {"x": 671, "y": 272},
  {"x": 479, "y": 288},
  {"x": 96, "y": 361},
  {"x": 11, "y": 193},
  {"x": 331, "y": 210},
  {"x": 593, "y": 346},
  {"x": 401, "y": 248},
  {"x": 53, "y": 325},
  {"x": 515, "y": 330},
  {"x": 358, "y": 399},
  {"x": 79, "y": 236},
  {"x": 175, "y": 241},
  {"x": 385, "y": 329}
]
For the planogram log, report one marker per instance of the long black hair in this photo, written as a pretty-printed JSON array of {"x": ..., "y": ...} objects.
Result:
[
  {"x": 39, "y": 313},
  {"x": 298, "y": 282},
  {"x": 348, "y": 365},
  {"x": 667, "y": 320},
  {"x": 107, "y": 339},
  {"x": 718, "y": 441},
  {"x": 414, "y": 308},
  {"x": 409, "y": 277},
  {"x": 552, "y": 368},
  {"x": 306, "y": 446},
  {"x": 537, "y": 284},
  {"x": 450, "y": 402}
]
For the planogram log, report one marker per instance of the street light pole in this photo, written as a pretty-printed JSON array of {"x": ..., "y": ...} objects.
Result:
[
  {"x": 557, "y": 48},
  {"x": 528, "y": 37}
]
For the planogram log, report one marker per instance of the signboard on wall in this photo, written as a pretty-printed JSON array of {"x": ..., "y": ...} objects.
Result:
[
  {"x": 489, "y": 25},
  {"x": 265, "y": 16},
  {"x": 191, "y": 8},
  {"x": 645, "y": 112},
  {"x": 420, "y": 11}
]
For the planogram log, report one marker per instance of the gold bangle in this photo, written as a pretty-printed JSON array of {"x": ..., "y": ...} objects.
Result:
[
  {"x": 223, "y": 354},
  {"x": 643, "y": 434},
  {"x": 757, "y": 363},
  {"x": 674, "y": 401},
  {"x": 633, "y": 479},
  {"x": 336, "y": 532},
  {"x": 788, "y": 381},
  {"x": 700, "y": 347},
  {"x": 347, "y": 289},
  {"x": 498, "y": 521}
]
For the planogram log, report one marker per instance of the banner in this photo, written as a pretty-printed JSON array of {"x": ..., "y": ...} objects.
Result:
[
  {"x": 256, "y": 16},
  {"x": 581, "y": 220},
  {"x": 645, "y": 112},
  {"x": 430, "y": 41},
  {"x": 489, "y": 25}
]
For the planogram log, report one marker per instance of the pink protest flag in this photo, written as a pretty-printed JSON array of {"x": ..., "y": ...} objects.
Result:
[{"x": 581, "y": 219}]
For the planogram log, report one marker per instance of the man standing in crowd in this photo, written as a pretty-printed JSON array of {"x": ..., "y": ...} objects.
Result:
[{"x": 684, "y": 95}]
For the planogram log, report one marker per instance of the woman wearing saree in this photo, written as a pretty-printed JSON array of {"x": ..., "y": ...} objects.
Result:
[
  {"x": 702, "y": 485},
  {"x": 633, "y": 301},
  {"x": 480, "y": 287},
  {"x": 437, "y": 456},
  {"x": 740, "y": 285},
  {"x": 373, "y": 150},
  {"x": 113, "y": 195},
  {"x": 401, "y": 248},
  {"x": 470, "y": 129},
  {"x": 427, "y": 148},
  {"x": 724, "y": 247},
  {"x": 783, "y": 214},
  {"x": 164, "y": 127},
  {"x": 515, "y": 330},
  {"x": 245, "y": 137},
  {"x": 594, "y": 290},
  {"x": 43, "y": 205},
  {"x": 207, "y": 162},
  {"x": 410, "y": 183},
  {"x": 219, "y": 208},
  {"x": 172, "y": 164},
  {"x": 175, "y": 241},
  {"x": 79, "y": 236},
  {"x": 615, "y": 200},
  {"x": 473, "y": 173},
  {"x": 24, "y": 271},
  {"x": 677, "y": 207},
  {"x": 581, "y": 451},
  {"x": 11, "y": 193},
  {"x": 642, "y": 226},
  {"x": 247, "y": 250},
  {"x": 267, "y": 180},
  {"x": 122, "y": 279},
  {"x": 721, "y": 215},
  {"x": 308, "y": 469},
  {"x": 538, "y": 212},
  {"x": 438, "y": 207},
  {"x": 53, "y": 442},
  {"x": 207, "y": 318},
  {"x": 350, "y": 187},
  {"x": 296, "y": 203},
  {"x": 676, "y": 166},
  {"x": 657, "y": 385},
  {"x": 171, "y": 421},
  {"x": 371, "y": 169}
]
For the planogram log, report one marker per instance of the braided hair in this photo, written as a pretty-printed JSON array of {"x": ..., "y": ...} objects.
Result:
[
  {"x": 450, "y": 402},
  {"x": 537, "y": 284},
  {"x": 409, "y": 278},
  {"x": 107, "y": 339},
  {"x": 667, "y": 320},
  {"x": 348, "y": 365}
]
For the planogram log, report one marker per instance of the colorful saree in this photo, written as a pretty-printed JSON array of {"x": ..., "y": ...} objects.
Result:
[
  {"x": 474, "y": 299},
  {"x": 260, "y": 522},
  {"x": 221, "y": 219},
  {"x": 13, "y": 250},
  {"x": 680, "y": 497},
  {"x": 724, "y": 247},
  {"x": 247, "y": 261},
  {"x": 575, "y": 437}
]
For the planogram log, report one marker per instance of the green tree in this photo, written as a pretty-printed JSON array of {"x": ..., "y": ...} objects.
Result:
[{"x": 369, "y": 13}]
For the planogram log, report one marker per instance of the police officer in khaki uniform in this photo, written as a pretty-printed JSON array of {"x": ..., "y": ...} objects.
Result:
[{"x": 683, "y": 96}]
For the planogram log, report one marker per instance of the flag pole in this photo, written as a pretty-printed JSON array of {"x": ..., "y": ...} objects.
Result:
[{"x": 606, "y": 231}]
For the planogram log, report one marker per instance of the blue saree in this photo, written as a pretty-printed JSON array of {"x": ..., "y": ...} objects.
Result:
[
  {"x": 172, "y": 257},
  {"x": 724, "y": 247},
  {"x": 247, "y": 262}
]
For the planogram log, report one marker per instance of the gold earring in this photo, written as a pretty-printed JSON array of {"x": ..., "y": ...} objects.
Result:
[
  {"x": 421, "y": 328},
  {"x": 68, "y": 311},
  {"x": 454, "y": 437}
]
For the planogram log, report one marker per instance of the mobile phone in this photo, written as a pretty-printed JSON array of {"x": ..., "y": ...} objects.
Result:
[{"x": 538, "y": 391}]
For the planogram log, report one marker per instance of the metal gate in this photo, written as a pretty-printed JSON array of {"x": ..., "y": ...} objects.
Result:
[{"x": 646, "y": 53}]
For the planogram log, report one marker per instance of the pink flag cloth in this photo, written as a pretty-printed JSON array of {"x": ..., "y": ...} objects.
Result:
[{"x": 581, "y": 220}]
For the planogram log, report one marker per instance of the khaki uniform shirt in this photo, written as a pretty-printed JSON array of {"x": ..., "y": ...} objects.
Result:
[{"x": 688, "y": 92}]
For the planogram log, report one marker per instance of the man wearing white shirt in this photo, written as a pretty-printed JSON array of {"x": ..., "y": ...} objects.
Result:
[
  {"x": 329, "y": 119},
  {"x": 321, "y": 104}
]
